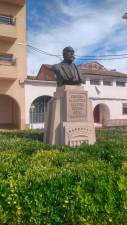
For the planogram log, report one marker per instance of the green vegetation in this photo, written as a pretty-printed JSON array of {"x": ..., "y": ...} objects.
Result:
[{"x": 44, "y": 185}]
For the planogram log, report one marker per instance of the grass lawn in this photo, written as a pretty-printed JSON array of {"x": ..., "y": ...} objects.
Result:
[{"x": 45, "y": 185}]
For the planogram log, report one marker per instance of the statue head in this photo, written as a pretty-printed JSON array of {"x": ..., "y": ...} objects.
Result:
[{"x": 68, "y": 54}]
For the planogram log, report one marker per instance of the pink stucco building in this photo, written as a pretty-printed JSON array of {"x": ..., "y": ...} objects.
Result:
[{"x": 12, "y": 63}]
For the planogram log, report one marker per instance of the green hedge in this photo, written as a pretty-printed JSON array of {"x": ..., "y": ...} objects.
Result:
[{"x": 45, "y": 185}]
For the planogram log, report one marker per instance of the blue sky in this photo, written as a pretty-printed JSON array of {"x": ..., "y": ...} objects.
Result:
[{"x": 91, "y": 27}]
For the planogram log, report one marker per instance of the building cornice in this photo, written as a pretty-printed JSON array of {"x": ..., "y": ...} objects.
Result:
[
  {"x": 103, "y": 74},
  {"x": 111, "y": 99},
  {"x": 27, "y": 81}
]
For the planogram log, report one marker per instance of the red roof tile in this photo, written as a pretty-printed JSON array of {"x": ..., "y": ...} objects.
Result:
[{"x": 47, "y": 74}]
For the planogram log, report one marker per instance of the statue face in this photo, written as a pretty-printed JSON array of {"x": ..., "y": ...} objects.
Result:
[{"x": 69, "y": 54}]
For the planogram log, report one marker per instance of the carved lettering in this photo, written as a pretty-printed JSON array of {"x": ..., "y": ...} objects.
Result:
[{"x": 76, "y": 106}]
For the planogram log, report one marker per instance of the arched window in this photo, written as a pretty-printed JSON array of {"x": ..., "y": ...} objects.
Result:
[{"x": 38, "y": 109}]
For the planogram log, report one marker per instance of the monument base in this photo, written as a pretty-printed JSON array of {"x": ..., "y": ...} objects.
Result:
[{"x": 69, "y": 119}]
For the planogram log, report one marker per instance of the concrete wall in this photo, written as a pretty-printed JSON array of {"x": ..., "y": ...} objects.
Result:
[
  {"x": 111, "y": 96},
  {"x": 102, "y": 91}
]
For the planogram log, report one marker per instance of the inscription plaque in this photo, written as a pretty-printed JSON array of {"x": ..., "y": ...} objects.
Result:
[{"x": 76, "y": 106}]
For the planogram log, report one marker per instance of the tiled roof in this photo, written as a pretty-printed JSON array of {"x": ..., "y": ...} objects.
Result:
[
  {"x": 47, "y": 74},
  {"x": 96, "y": 68},
  {"x": 102, "y": 73}
]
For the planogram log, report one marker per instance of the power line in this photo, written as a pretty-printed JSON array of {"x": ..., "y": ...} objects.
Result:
[
  {"x": 43, "y": 52},
  {"x": 91, "y": 56},
  {"x": 102, "y": 59},
  {"x": 117, "y": 56},
  {"x": 58, "y": 56}
]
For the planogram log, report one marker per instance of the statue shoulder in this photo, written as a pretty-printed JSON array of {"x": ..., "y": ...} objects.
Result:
[
  {"x": 57, "y": 66},
  {"x": 77, "y": 67}
]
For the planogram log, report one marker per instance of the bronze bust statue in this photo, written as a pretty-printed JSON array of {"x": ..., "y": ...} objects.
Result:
[{"x": 67, "y": 72}]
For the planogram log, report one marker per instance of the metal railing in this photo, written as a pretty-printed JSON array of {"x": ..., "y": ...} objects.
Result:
[
  {"x": 36, "y": 117},
  {"x": 7, "y": 58},
  {"x": 7, "y": 20}
]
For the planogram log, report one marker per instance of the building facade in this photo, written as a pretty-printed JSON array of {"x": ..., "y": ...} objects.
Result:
[
  {"x": 12, "y": 63},
  {"x": 23, "y": 101},
  {"x": 107, "y": 90}
]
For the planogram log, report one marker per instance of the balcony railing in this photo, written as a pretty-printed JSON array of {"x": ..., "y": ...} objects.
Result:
[
  {"x": 7, "y": 58},
  {"x": 7, "y": 20}
]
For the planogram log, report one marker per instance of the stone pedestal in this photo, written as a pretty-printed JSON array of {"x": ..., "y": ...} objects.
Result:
[{"x": 69, "y": 119}]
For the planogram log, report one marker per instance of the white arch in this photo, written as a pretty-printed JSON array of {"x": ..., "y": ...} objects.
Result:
[
  {"x": 101, "y": 113},
  {"x": 37, "y": 111},
  {"x": 35, "y": 89}
]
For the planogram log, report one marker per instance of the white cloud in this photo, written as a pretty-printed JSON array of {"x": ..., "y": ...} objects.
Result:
[{"x": 85, "y": 28}]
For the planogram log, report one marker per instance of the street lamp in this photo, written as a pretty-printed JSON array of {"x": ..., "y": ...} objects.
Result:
[{"x": 125, "y": 16}]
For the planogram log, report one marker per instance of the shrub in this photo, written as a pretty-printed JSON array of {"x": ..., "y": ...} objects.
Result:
[{"x": 45, "y": 185}]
